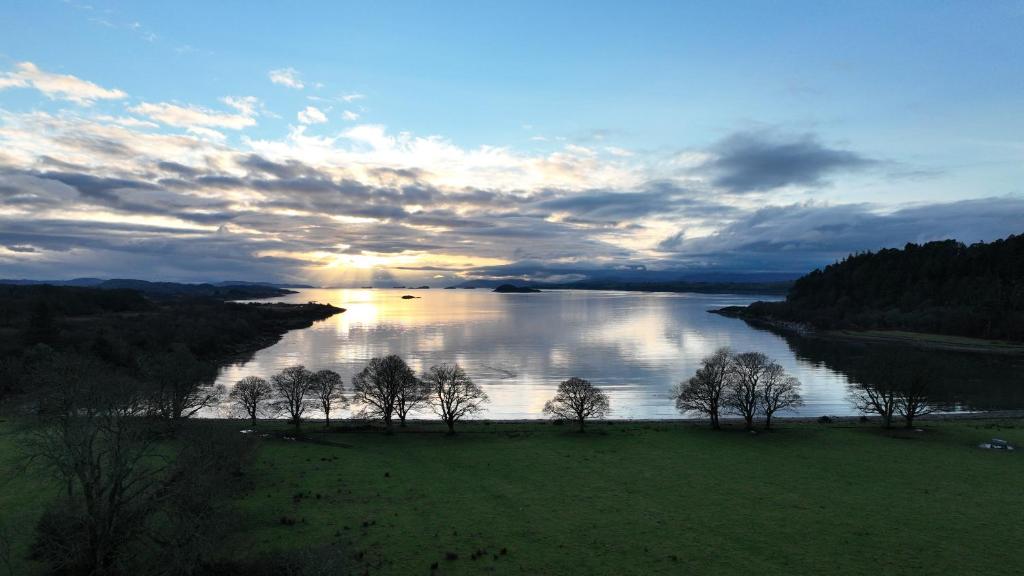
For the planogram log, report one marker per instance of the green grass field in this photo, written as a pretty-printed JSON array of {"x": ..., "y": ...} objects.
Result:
[{"x": 672, "y": 498}]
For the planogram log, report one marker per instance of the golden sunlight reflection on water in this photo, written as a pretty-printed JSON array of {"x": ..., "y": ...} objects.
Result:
[{"x": 520, "y": 346}]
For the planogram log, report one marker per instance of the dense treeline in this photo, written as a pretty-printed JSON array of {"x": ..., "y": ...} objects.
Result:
[
  {"x": 126, "y": 331},
  {"x": 940, "y": 287}
]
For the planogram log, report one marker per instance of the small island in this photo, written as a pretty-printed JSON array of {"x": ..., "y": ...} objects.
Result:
[
  {"x": 510, "y": 289},
  {"x": 409, "y": 297}
]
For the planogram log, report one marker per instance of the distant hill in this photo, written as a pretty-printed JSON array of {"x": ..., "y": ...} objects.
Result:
[
  {"x": 941, "y": 287},
  {"x": 220, "y": 291},
  {"x": 779, "y": 287},
  {"x": 511, "y": 289}
]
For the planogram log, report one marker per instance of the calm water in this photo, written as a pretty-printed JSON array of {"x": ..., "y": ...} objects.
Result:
[{"x": 634, "y": 345}]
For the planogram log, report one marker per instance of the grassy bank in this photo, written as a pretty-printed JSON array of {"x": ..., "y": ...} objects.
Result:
[
  {"x": 624, "y": 499},
  {"x": 930, "y": 341}
]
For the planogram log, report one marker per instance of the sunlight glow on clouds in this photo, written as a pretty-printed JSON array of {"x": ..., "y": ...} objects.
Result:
[{"x": 184, "y": 191}]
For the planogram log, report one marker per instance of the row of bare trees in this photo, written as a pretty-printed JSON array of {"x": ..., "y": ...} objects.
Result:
[
  {"x": 747, "y": 384},
  {"x": 387, "y": 387},
  {"x": 892, "y": 384}
]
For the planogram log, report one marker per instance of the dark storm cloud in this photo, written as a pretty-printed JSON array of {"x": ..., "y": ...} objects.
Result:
[
  {"x": 761, "y": 161},
  {"x": 805, "y": 236}
]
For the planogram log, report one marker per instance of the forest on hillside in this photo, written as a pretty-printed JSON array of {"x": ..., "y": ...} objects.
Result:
[
  {"x": 127, "y": 333},
  {"x": 943, "y": 287}
]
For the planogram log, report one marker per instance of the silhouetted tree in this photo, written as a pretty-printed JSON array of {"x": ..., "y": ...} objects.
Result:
[
  {"x": 410, "y": 394},
  {"x": 577, "y": 399},
  {"x": 744, "y": 395},
  {"x": 329, "y": 390},
  {"x": 379, "y": 386},
  {"x": 876, "y": 385},
  {"x": 95, "y": 442},
  {"x": 703, "y": 392},
  {"x": 252, "y": 394},
  {"x": 452, "y": 394},
  {"x": 913, "y": 397},
  {"x": 293, "y": 388},
  {"x": 182, "y": 385},
  {"x": 778, "y": 392}
]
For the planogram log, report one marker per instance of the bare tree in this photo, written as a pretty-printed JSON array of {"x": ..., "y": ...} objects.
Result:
[
  {"x": 452, "y": 394},
  {"x": 329, "y": 390},
  {"x": 744, "y": 394},
  {"x": 912, "y": 398},
  {"x": 252, "y": 394},
  {"x": 879, "y": 398},
  {"x": 293, "y": 387},
  {"x": 182, "y": 384},
  {"x": 577, "y": 399},
  {"x": 94, "y": 441},
  {"x": 778, "y": 392},
  {"x": 379, "y": 386},
  {"x": 703, "y": 392},
  {"x": 411, "y": 393},
  {"x": 876, "y": 388}
]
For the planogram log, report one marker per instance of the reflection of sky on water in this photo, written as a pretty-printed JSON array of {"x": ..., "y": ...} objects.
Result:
[{"x": 520, "y": 346}]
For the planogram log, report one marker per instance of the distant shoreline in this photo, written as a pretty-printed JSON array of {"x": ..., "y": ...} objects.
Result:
[{"x": 918, "y": 339}]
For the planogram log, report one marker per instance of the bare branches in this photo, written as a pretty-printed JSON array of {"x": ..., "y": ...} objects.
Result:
[
  {"x": 452, "y": 394},
  {"x": 382, "y": 385},
  {"x": 577, "y": 399},
  {"x": 329, "y": 390},
  {"x": 252, "y": 395},
  {"x": 779, "y": 392},
  {"x": 293, "y": 388},
  {"x": 704, "y": 391},
  {"x": 182, "y": 384},
  {"x": 748, "y": 384}
]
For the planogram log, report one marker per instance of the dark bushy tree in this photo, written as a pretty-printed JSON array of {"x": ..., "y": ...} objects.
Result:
[
  {"x": 577, "y": 399},
  {"x": 252, "y": 395},
  {"x": 181, "y": 384},
  {"x": 380, "y": 386}
]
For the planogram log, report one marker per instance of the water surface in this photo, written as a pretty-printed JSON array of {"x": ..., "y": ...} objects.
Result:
[{"x": 634, "y": 345}]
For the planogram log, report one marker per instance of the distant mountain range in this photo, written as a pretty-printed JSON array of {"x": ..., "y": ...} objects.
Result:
[
  {"x": 657, "y": 282},
  {"x": 229, "y": 290}
]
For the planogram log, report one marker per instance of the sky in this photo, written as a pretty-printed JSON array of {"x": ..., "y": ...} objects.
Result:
[{"x": 350, "y": 143}]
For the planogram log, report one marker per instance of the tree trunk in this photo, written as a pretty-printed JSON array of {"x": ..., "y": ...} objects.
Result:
[
  {"x": 768, "y": 421},
  {"x": 714, "y": 421},
  {"x": 451, "y": 426}
]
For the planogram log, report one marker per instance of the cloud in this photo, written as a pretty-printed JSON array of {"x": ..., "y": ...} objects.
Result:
[
  {"x": 352, "y": 97},
  {"x": 110, "y": 194},
  {"x": 57, "y": 86},
  {"x": 349, "y": 116},
  {"x": 760, "y": 161},
  {"x": 311, "y": 115},
  {"x": 190, "y": 116},
  {"x": 288, "y": 77},
  {"x": 800, "y": 237}
]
